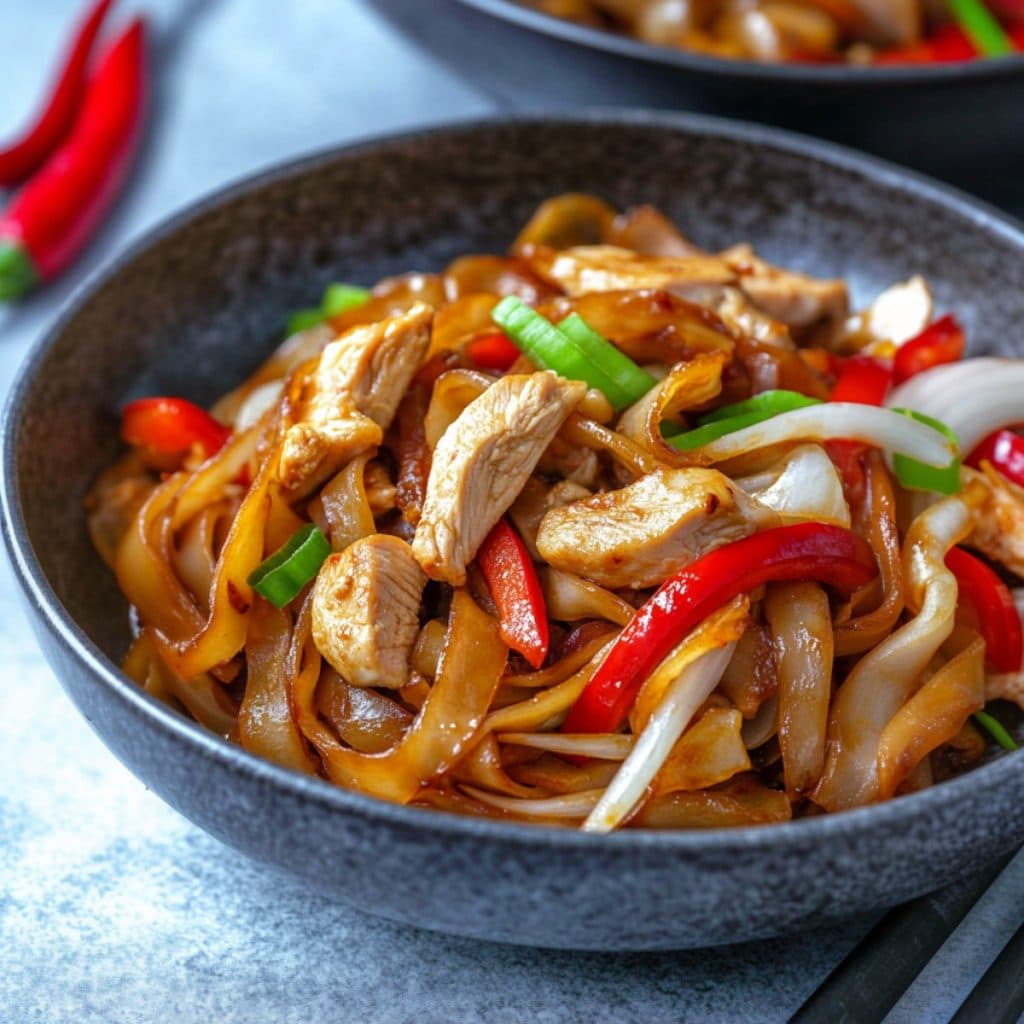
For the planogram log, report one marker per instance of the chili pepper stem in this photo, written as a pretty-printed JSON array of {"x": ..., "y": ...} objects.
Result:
[{"x": 17, "y": 272}]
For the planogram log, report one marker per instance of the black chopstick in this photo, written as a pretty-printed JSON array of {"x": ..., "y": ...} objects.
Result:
[
  {"x": 999, "y": 997},
  {"x": 884, "y": 964}
]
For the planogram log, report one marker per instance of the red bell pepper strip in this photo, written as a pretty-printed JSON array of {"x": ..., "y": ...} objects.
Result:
[
  {"x": 992, "y": 601},
  {"x": 55, "y": 214},
  {"x": 24, "y": 156},
  {"x": 512, "y": 580},
  {"x": 171, "y": 425},
  {"x": 940, "y": 342},
  {"x": 866, "y": 381},
  {"x": 804, "y": 551},
  {"x": 494, "y": 351},
  {"x": 1005, "y": 450},
  {"x": 863, "y": 380}
]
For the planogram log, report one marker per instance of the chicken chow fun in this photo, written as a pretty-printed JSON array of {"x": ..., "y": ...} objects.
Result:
[
  {"x": 852, "y": 32},
  {"x": 608, "y": 531}
]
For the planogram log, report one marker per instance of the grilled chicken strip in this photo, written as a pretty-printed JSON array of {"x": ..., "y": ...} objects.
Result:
[
  {"x": 794, "y": 299},
  {"x": 639, "y": 535},
  {"x": 352, "y": 397},
  {"x": 606, "y": 268},
  {"x": 482, "y": 462},
  {"x": 366, "y": 603},
  {"x": 999, "y": 523}
]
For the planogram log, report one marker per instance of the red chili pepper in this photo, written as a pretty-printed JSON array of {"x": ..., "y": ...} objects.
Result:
[
  {"x": 1005, "y": 450},
  {"x": 171, "y": 425},
  {"x": 804, "y": 551},
  {"x": 494, "y": 351},
  {"x": 52, "y": 218},
  {"x": 997, "y": 615},
  {"x": 54, "y": 121},
  {"x": 512, "y": 580},
  {"x": 940, "y": 342},
  {"x": 865, "y": 381}
]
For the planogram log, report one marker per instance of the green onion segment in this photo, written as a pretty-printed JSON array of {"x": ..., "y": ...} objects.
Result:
[
  {"x": 996, "y": 730},
  {"x": 337, "y": 299},
  {"x": 281, "y": 577},
  {"x": 731, "y": 418},
  {"x": 981, "y": 27},
  {"x": 574, "y": 350}
]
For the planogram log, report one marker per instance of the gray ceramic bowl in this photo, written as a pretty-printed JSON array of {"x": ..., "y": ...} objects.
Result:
[
  {"x": 195, "y": 306},
  {"x": 957, "y": 121}
]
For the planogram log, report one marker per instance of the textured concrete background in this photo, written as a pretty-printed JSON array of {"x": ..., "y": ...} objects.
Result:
[{"x": 114, "y": 909}]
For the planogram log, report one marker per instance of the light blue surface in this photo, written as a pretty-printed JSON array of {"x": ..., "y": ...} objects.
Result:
[{"x": 115, "y": 909}]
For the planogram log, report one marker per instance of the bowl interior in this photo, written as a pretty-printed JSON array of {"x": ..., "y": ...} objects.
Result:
[{"x": 193, "y": 310}]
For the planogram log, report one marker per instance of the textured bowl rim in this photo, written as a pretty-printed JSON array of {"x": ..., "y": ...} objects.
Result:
[
  {"x": 842, "y": 75},
  {"x": 327, "y": 797}
]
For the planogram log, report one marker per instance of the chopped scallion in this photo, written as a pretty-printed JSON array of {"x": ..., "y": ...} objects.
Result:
[
  {"x": 731, "y": 418},
  {"x": 996, "y": 730},
  {"x": 981, "y": 27},
  {"x": 337, "y": 299},
  {"x": 340, "y": 298},
  {"x": 574, "y": 350},
  {"x": 281, "y": 577}
]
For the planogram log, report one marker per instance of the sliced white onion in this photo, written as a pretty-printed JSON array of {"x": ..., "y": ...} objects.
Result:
[
  {"x": 569, "y": 805},
  {"x": 803, "y": 485},
  {"x": 882, "y": 428},
  {"x": 606, "y": 746},
  {"x": 757, "y": 731},
  {"x": 972, "y": 398},
  {"x": 668, "y": 722},
  {"x": 258, "y": 401}
]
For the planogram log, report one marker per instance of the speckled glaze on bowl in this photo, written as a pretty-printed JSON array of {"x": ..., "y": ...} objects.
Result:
[{"x": 195, "y": 306}]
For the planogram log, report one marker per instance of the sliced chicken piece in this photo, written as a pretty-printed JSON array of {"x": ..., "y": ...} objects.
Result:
[
  {"x": 795, "y": 299},
  {"x": 639, "y": 535},
  {"x": 366, "y": 603},
  {"x": 606, "y": 268},
  {"x": 482, "y": 462},
  {"x": 999, "y": 524},
  {"x": 312, "y": 452},
  {"x": 535, "y": 500},
  {"x": 375, "y": 363},
  {"x": 900, "y": 313},
  {"x": 736, "y": 309},
  {"x": 353, "y": 394}
]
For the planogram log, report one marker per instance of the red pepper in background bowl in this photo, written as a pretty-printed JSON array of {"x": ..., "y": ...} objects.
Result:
[
  {"x": 26, "y": 155},
  {"x": 55, "y": 214},
  {"x": 804, "y": 551}
]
